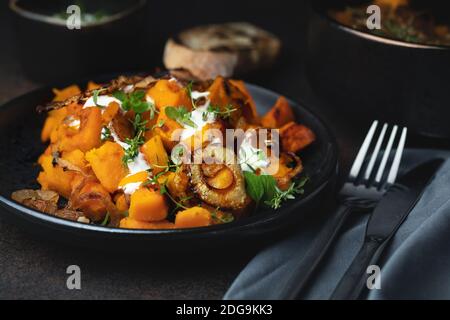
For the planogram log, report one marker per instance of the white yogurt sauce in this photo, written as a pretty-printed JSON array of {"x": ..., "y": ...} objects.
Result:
[
  {"x": 131, "y": 188},
  {"x": 139, "y": 164},
  {"x": 149, "y": 99},
  {"x": 197, "y": 95},
  {"x": 103, "y": 101},
  {"x": 250, "y": 157},
  {"x": 197, "y": 117}
]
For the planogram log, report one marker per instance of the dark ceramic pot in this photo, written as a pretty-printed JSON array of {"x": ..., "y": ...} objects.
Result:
[
  {"x": 369, "y": 76},
  {"x": 50, "y": 51}
]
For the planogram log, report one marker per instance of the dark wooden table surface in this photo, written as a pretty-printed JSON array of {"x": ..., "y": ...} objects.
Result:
[{"x": 33, "y": 268}]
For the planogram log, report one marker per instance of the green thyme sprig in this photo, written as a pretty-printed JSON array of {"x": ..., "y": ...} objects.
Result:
[
  {"x": 224, "y": 114},
  {"x": 133, "y": 147},
  {"x": 225, "y": 218},
  {"x": 181, "y": 115},
  {"x": 135, "y": 101},
  {"x": 189, "y": 93},
  {"x": 280, "y": 196}
]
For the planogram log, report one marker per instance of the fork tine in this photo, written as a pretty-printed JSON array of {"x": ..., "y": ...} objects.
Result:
[
  {"x": 397, "y": 158},
  {"x": 386, "y": 154},
  {"x": 374, "y": 156},
  {"x": 359, "y": 160}
]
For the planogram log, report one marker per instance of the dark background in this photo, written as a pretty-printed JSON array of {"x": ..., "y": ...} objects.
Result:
[{"x": 33, "y": 268}]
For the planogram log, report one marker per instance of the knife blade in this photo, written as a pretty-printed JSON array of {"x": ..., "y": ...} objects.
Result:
[{"x": 385, "y": 220}]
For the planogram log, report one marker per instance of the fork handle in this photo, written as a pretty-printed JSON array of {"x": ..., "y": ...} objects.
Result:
[{"x": 305, "y": 270}]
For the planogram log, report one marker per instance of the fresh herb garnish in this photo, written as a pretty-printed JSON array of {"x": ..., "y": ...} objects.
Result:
[
  {"x": 133, "y": 147},
  {"x": 95, "y": 97},
  {"x": 280, "y": 196},
  {"x": 189, "y": 93},
  {"x": 224, "y": 114},
  {"x": 158, "y": 125},
  {"x": 180, "y": 115},
  {"x": 223, "y": 218},
  {"x": 263, "y": 188},
  {"x": 106, "y": 133},
  {"x": 134, "y": 101},
  {"x": 105, "y": 220},
  {"x": 139, "y": 123},
  {"x": 259, "y": 187}
]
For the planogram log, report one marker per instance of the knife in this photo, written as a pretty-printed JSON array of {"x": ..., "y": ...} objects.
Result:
[{"x": 385, "y": 220}]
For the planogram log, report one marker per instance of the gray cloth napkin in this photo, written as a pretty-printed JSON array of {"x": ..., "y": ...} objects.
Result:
[{"x": 415, "y": 265}]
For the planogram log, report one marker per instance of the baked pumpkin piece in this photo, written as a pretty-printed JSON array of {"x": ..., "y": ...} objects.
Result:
[
  {"x": 55, "y": 178},
  {"x": 193, "y": 217},
  {"x": 148, "y": 206},
  {"x": 168, "y": 93},
  {"x": 295, "y": 137},
  {"x": 130, "y": 223},
  {"x": 280, "y": 114},
  {"x": 107, "y": 164},
  {"x": 155, "y": 154},
  {"x": 88, "y": 136}
]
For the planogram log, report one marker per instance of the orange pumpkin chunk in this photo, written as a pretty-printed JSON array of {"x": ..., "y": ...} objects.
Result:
[
  {"x": 193, "y": 217},
  {"x": 148, "y": 205},
  {"x": 279, "y": 115},
  {"x": 130, "y": 223},
  {"x": 295, "y": 137},
  {"x": 106, "y": 162}
]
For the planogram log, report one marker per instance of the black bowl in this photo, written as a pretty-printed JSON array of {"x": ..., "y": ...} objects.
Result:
[
  {"x": 49, "y": 51},
  {"x": 368, "y": 76},
  {"x": 20, "y": 147}
]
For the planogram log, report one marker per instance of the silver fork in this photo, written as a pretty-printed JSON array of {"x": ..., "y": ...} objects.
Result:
[{"x": 361, "y": 192}]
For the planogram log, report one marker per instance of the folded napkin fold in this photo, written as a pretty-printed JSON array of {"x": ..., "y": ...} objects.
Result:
[{"x": 415, "y": 265}]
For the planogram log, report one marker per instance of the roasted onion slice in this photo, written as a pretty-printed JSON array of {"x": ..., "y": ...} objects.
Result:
[{"x": 220, "y": 184}]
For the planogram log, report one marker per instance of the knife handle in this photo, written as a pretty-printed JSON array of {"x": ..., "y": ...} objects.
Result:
[
  {"x": 354, "y": 280},
  {"x": 311, "y": 260}
]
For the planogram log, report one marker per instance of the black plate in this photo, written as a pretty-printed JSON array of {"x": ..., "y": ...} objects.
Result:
[{"x": 20, "y": 147}]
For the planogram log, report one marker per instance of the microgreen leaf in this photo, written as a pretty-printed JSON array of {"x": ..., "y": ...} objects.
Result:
[{"x": 181, "y": 115}]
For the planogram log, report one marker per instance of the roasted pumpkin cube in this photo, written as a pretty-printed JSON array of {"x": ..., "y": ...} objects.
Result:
[
  {"x": 225, "y": 93},
  {"x": 169, "y": 131},
  {"x": 77, "y": 158},
  {"x": 92, "y": 200},
  {"x": 178, "y": 184},
  {"x": 148, "y": 205},
  {"x": 280, "y": 114},
  {"x": 155, "y": 154},
  {"x": 107, "y": 164},
  {"x": 295, "y": 137},
  {"x": 121, "y": 202},
  {"x": 168, "y": 93},
  {"x": 251, "y": 112},
  {"x": 55, "y": 178},
  {"x": 89, "y": 134},
  {"x": 110, "y": 112},
  {"x": 130, "y": 223},
  {"x": 193, "y": 217},
  {"x": 54, "y": 119}
]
